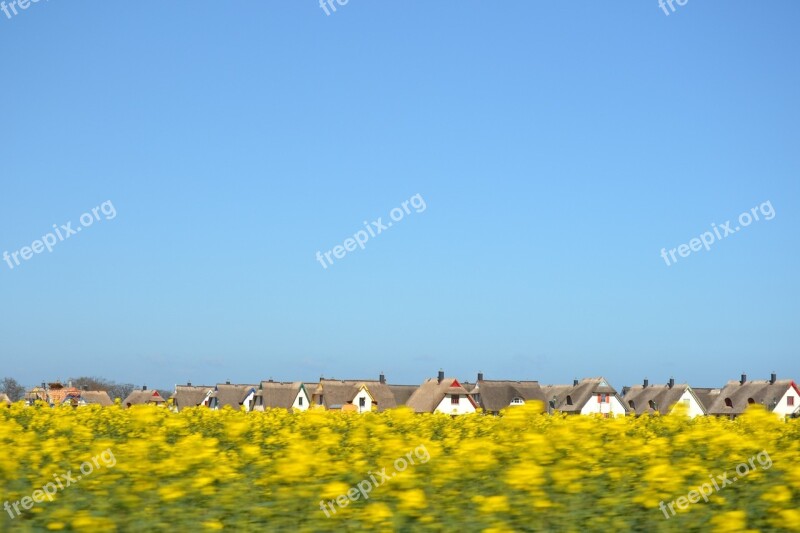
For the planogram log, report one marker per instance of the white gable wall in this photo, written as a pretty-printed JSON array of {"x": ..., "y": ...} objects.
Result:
[
  {"x": 594, "y": 406},
  {"x": 367, "y": 401},
  {"x": 249, "y": 400},
  {"x": 783, "y": 408},
  {"x": 299, "y": 405},
  {"x": 688, "y": 399},
  {"x": 447, "y": 406}
]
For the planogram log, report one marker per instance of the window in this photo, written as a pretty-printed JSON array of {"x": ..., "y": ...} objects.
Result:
[
  {"x": 790, "y": 400},
  {"x": 728, "y": 402},
  {"x": 751, "y": 401},
  {"x": 362, "y": 402},
  {"x": 300, "y": 400},
  {"x": 652, "y": 405},
  {"x": 454, "y": 399},
  {"x": 569, "y": 400},
  {"x": 517, "y": 401},
  {"x": 603, "y": 398},
  {"x": 631, "y": 404},
  {"x": 320, "y": 399}
]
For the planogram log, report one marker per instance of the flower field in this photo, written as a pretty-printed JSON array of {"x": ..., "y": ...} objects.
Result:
[{"x": 524, "y": 471}]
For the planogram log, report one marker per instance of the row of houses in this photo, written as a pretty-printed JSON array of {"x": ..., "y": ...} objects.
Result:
[
  {"x": 56, "y": 393},
  {"x": 450, "y": 396}
]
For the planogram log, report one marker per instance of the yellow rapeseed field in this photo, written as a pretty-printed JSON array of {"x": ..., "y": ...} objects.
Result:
[{"x": 153, "y": 470}]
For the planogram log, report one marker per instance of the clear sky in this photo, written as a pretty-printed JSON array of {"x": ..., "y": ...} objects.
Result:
[{"x": 558, "y": 147}]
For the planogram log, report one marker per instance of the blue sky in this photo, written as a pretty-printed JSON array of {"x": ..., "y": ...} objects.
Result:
[{"x": 558, "y": 148}]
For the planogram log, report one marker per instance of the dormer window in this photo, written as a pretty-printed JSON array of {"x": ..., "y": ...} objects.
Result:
[
  {"x": 517, "y": 401},
  {"x": 751, "y": 401},
  {"x": 728, "y": 402},
  {"x": 569, "y": 400},
  {"x": 652, "y": 405},
  {"x": 630, "y": 403}
]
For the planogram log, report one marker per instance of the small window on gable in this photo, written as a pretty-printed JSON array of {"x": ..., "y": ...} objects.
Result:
[
  {"x": 362, "y": 402},
  {"x": 454, "y": 399},
  {"x": 299, "y": 400},
  {"x": 790, "y": 400},
  {"x": 728, "y": 402}
]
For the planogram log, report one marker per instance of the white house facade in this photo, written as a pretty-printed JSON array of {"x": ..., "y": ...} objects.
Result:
[
  {"x": 456, "y": 404},
  {"x": 604, "y": 404},
  {"x": 301, "y": 401},
  {"x": 789, "y": 403},
  {"x": 690, "y": 402}
]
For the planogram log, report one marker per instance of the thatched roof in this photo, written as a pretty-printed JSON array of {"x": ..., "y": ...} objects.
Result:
[
  {"x": 431, "y": 393},
  {"x": 141, "y": 397},
  {"x": 4, "y": 399},
  {"x": 661, "y": 398},
  {"x": 190, "y": 395},
  {"x": 276, "y": 394},
  {"x": 336, "y": 393},
  {"x": 735, "y": 397},
  {"x": 95, "y": 397},
  {"x": 232, "y": 395},
  {"x": 36, "y": 393},
  {"x": 402, "y": 393},
  {"x": 706, "y": 396},
  {"x": 495, "y": 395},
  {"x": 573, "y": 398}
]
